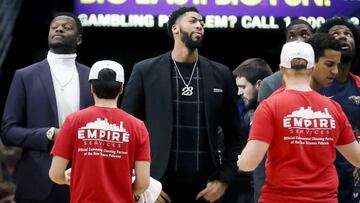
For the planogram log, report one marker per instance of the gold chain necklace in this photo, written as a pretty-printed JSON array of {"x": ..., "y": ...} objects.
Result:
[{"x": 62, "y": 86}]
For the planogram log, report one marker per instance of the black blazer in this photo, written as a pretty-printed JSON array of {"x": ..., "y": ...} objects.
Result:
[
  {"x": 148, "y": 96},
  {"x": 30, "y": 111}
]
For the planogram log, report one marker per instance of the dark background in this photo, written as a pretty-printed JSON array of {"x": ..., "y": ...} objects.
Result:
[{"x": 126, "y": 45}]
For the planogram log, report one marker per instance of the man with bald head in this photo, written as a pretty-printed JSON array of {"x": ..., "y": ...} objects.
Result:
[{"x": 298, "y": 29}]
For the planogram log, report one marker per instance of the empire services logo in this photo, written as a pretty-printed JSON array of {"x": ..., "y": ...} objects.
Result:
[
  {"x": 307, "y": 118},
  {"x": 102, "y": 130}
]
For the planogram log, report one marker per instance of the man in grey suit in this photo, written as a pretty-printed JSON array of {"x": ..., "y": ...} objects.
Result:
[
  {"x": 40, "y": 97},
  {"x": 183, "y": 98}
]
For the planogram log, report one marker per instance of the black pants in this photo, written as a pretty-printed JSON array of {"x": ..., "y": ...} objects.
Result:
[
  {"x": 240, "y": 189},
  {"x": 58, "y": 194},
  {"x": 183, "y": 190}
]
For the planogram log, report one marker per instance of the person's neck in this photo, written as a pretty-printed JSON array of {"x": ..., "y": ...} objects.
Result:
[
  {"x": 110, "y": 103},
  {"x": 62, "y": 50},
  {"x": 344, "y": 70},
  {"x": 57, "y": 56},
  {"x": 315, "y": 86},
  {"x": 298, "y": 83},
  {"x": 183, "y": 54}
]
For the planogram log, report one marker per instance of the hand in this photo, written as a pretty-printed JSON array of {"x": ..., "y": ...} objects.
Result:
[
  {"x": 163, "y": 198},
  {"x": 68, "y": 176},
  {"x": 213, "y": 191},
  {"x": 238, "y": 162},
  {"x": 56, "y": 133}
]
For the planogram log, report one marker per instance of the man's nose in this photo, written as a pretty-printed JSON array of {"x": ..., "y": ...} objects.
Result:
[
  {"x": 341, "y": 36},
  {"x": 335, "y": 70},
  {"x": 59, "y": 29},
  {"x": 240, "y": 92}
]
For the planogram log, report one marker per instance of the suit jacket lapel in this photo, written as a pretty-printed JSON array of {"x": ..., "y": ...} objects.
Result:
[
  {"x": 163, "y": 77},
  {"x": 207, "y": 76},
  {"x": 209, "y": 102},
  {"x": 46, "y": 79},
  {"x": 162, "y": 87},
  {"x": 83, "y": 84}
]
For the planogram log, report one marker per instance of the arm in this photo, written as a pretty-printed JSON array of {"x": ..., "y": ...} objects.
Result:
[
  {"x": 14, "y": 129},
  {"x": 62, "y": 153},
  {"x": 252, "y": 155},
  {"x": 234, "y": 139},
  {"x": 213, "y": 191},
  {"x": 142, "y": 177},
  {"x": 57, "y": 170},
  {"x": 142, "y": 161},
  {"x": 351, "y": 152}
]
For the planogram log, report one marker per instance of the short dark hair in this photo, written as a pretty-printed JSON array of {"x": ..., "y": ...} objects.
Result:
[
  {"x": 299, "y": 22},
  {"x": 106, "y": 87},
  {"x": 252, "y": 70},
  {"x": 322, "y": 41},
  {"x": 175, "y": 15},
  {"x": 299, "y": 64},
  {"x": 341, "y": 20},
  {"x": 73, "y": 16}
]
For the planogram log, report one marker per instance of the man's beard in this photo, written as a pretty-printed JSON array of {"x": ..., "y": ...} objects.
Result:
[
  {"x": 251, "y": 105},
  {"x": 59, "y": 47},
  {"x": 189, "y": 42}
]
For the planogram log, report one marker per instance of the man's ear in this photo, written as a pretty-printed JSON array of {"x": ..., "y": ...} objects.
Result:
[
  {"x": 257, "y": 84},
  {"x": 282, "y": 70},
  {"x": 121, "y": 89},
  {"x": 175, "y": 29},
  {"x": 79, "y": 39}
]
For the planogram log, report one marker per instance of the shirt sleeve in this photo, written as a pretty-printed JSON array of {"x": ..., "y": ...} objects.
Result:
[
  {"x": 142, "y": 151},
  {"x": 64, "y": 143},
  {"x": 262, "y": 126}
]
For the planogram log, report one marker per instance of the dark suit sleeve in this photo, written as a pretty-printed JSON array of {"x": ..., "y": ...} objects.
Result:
[
  {"x": 234, "y": 140},
  {"x": 133, "y": 100},
  {"x": 14, "y": 132}
]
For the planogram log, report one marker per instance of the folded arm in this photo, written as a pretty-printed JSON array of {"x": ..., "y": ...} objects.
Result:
[{"x": 15, "y": 130}]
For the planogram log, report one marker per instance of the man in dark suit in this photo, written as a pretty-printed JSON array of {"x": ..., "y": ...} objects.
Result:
[
  {"x": 40, "y": 97},
  {"x": 183, "y": 98}
]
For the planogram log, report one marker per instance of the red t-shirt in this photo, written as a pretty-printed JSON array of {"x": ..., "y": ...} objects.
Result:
[
  {"x": 103, "y": 144},
  {"x": 303, "y": 129}
]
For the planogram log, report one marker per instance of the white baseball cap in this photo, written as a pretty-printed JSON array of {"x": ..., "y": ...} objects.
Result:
[
  {"x": 100, "y": 65},
  {"x": 297, "y": 49}
]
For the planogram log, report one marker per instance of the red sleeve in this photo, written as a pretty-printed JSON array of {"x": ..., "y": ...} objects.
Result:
[
  {"x": 64, "y": 143},
  {"x": 356, "y": 79},
  {"x": 262, "y": 125},
  {"x": 142, "y": 150}
]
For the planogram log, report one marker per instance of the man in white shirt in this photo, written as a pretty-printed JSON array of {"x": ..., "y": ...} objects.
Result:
[{"x": 40, "y": 97}]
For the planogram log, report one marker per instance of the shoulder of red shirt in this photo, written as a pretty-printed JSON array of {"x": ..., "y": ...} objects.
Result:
[{"x": 356, "y": 79}]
